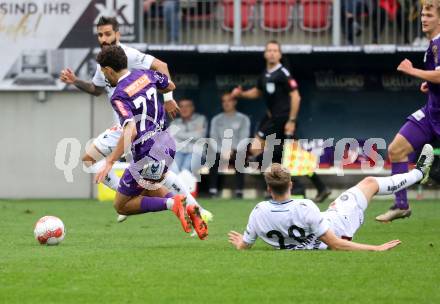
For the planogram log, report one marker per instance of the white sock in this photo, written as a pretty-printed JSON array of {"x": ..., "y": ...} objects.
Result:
[
  {"x": 397, "y": 182},
  {"x": 175, "y": 185},
  {"x": 170, "y": 203},
  {"x": 111, "y": 180}
]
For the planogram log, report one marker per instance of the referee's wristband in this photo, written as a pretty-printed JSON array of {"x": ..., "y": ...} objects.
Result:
[
  {"x": 292, "y": 119},
  {"x": 168, "y": 96}
]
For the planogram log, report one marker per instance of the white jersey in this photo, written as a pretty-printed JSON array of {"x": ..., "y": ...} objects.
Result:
[
  {"x": 293, "y": 224},
  {"x": 135, "y": 60}
]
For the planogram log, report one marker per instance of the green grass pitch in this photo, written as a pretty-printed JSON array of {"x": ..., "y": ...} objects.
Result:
[{"x": 149, "y": 259}]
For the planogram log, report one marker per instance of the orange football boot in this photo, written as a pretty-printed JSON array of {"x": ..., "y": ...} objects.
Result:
[
  {"x": 179, "y": 209},
  {"x": 198, "y": 223}
]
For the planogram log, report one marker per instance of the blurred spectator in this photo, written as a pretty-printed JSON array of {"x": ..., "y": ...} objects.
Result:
[
  {"x": 351, "y": 11},
  {"x": 171, "y": 10},
  {"x": 152, "y": 10},
  {"x": 148, "y": 4},
  {"x": 403, "y": 13},
  {"x": 239, "y": 124},
  {"x": 191, "y": 126},
  {"x": 398, "y": 11}
]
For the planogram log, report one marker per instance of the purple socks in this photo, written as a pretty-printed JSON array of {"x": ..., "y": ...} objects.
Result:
[
  {"x": 169, "y": 195},
  {"x": 401, "y": 200},
  {"x": 153, "y": 204}
]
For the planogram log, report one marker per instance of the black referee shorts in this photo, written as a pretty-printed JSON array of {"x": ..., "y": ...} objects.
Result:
[{"x": 270, "y": 126}]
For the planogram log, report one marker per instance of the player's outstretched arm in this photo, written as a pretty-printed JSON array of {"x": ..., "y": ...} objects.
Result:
[
  {"x": 406, "y": 67},
  {"x": 69, "y": 77},
  {"x": 160, "y": 66},
  {"x": 335, "y": 243},
  {"x": 170, "y": 104},
  {"x": 128, "y": 133},
  {"x": 171, "y": 87},
  {"x": 236, "y": 239}
]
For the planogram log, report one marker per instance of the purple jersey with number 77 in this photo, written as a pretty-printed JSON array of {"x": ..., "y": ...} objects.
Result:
[{"x": 135, "y": 99}]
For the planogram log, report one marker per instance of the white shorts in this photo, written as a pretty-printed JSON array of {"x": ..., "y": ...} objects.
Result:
[
  {"x": 106, "y": 141},
  {"x": 346, "y": 213}
]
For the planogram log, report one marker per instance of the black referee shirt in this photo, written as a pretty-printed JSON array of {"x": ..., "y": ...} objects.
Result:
[{"x": 276, "y": 86}]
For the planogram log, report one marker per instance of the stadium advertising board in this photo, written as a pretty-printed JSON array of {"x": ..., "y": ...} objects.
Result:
[{"x": 40, "y": 37}]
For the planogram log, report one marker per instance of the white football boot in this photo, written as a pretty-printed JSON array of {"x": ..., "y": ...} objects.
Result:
[
  {"x": 424, "y": 165},
  {"x": 121, "y": 218}
]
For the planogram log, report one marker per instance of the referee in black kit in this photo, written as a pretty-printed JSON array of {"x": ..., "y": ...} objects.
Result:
[{"x": 280, "y": 92}]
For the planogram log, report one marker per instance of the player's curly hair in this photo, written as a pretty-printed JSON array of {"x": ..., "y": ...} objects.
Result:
[
  {"x": 277, "y": 178},
  {"x": 108, "y": 21},
  {"x": 112, "y": 56}
]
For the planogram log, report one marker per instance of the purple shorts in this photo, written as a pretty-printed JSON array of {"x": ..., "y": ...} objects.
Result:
[
  {"x": 151, "y": 160},
  {"x": 419, "y": 129}
]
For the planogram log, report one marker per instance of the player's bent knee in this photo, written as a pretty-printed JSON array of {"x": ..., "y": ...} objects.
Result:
[
  {"x": 368, "y": 186},
  {"x": 396, "y": 152},
  {"x": 119, "y": 208},
  {"x": 369, "y": 181},
  {"x": 399, "y": 149}
]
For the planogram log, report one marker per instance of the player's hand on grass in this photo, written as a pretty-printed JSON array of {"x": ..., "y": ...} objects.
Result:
[
  {"x": 389, "y": 245},
  {"x": 236, "y": 92},
  {"x": 236, "y": 239},
  {"x": 424, "y": 87},
  {"x": 405, "y": 66},
  {"x": 172, "y": 108},
  {"x": 67, "y": 76},
  {"x": 100, "y": 176}
]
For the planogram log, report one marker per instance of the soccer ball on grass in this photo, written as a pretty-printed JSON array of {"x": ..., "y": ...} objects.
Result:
[{"x": 49, "y": 230}]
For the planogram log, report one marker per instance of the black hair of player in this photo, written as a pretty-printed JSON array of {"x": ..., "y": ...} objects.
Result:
[
  {"x": 108, "y": 21},
  {"x": 112, "y": 56}
]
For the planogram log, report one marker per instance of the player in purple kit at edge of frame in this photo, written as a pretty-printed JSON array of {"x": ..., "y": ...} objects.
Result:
[
  {"x": 423, "y": 126},
  {"x": 142, "y": 118}
]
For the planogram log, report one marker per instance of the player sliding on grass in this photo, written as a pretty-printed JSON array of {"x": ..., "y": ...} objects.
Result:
[
  {"x": 142, "y": 119},
  {"x": 298, "y": 224},
  {"x": 423, "y": 126}
]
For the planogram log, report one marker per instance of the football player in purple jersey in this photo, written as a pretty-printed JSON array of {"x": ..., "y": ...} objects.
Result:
[
  {"x": 423, "y": 126},
  {"x": 152, "y": 148}
]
